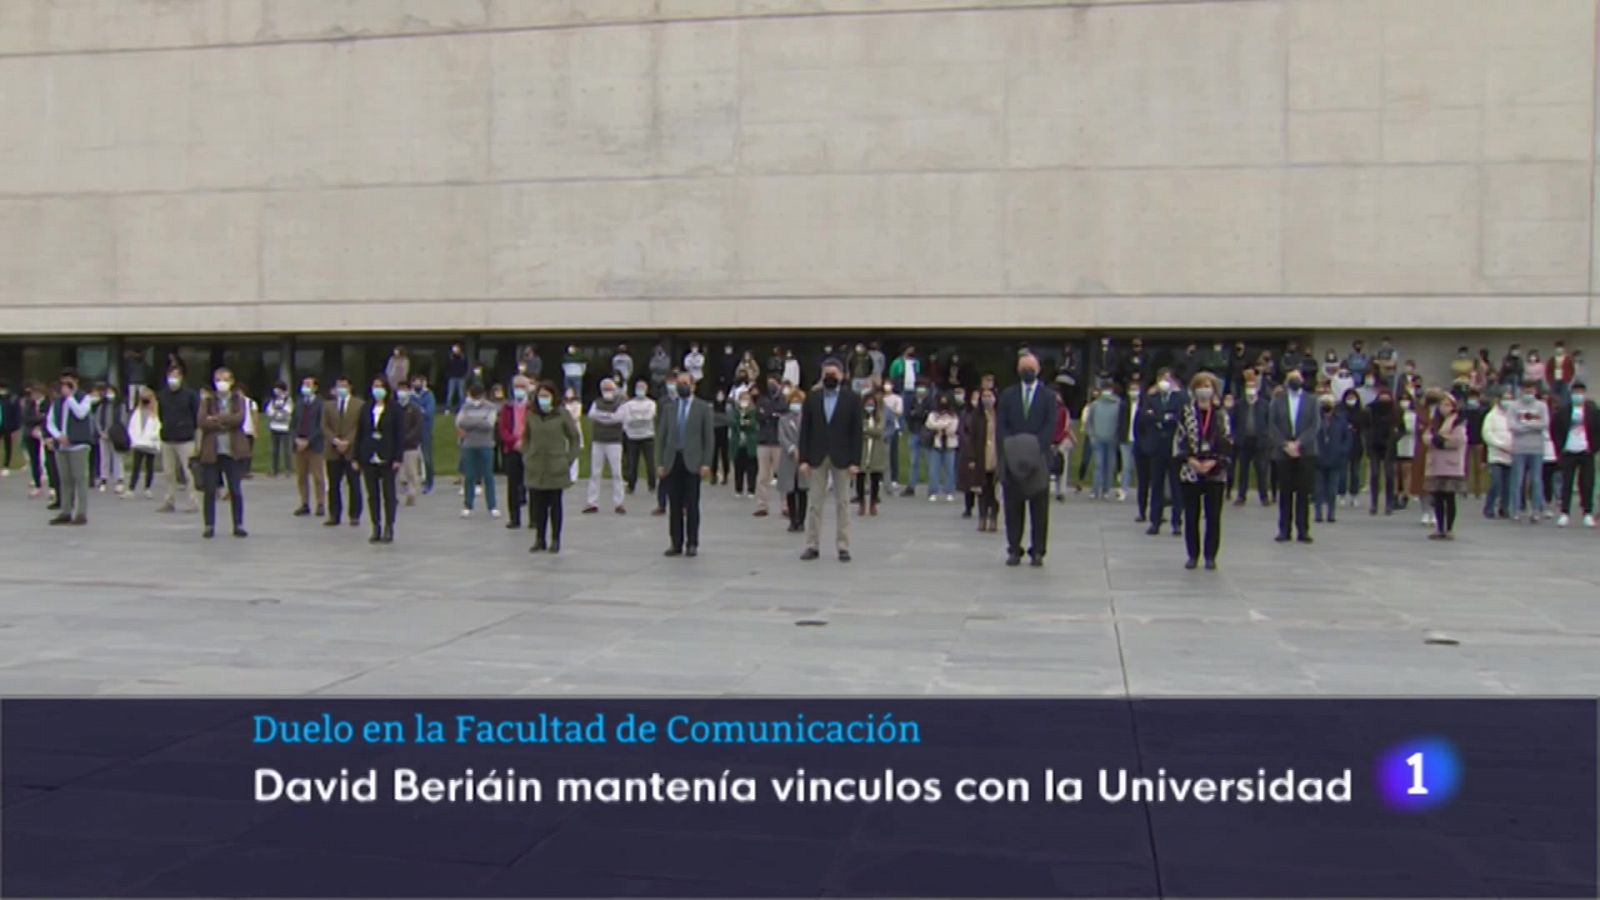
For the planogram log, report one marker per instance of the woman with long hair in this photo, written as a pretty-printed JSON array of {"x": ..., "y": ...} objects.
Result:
[
  {"x": 980, "y": 455},
  {"x": 550, "y": 443},
  {"x": 144, "y": 437},
  {"x": 790, "y": 484},
  {"x": 1446, "y": 438},
  {"x": 1202, "y": 449}
]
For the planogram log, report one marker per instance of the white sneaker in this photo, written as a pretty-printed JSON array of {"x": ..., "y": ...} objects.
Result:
[
  {"x": 102, "y": 487},
  {"x": 949, "y": 498},
  {"x": 1548, "y": 514},
  {"x": 466, "y": 514},
  {"x": 933, "y": 498},
  {"x": 1563, "y": 521},
  {"x": 5, "y": 473},
  {"x": 1427, "y": 518},
  {"x": 1588, "y": 521},
  {"x": 148, "y": 495},
  {"x": 494, "y": 513},
  {"x": 1122, "y": 495}
]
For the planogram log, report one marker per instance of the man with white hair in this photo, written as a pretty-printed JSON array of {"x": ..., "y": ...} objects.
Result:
[{"x": 605, "y": 445}]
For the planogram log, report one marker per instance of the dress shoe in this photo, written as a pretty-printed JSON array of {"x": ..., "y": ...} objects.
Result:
[
  {"x": 209, "y": 533},
  {"x": 555, "y": 547},
  {"x": 691, "y": 550},
  {"x": 331, "y": 523},
  {"x": 759, "y": 514},
  {"x": 355, "y": 523},
  {"x": 303, "y": 511},
  {"x": 1211, "y": 565},
  {"x": 61, "y": 520},
  {"x": 240, "y": 533},
  {"x": 1282, "y": 539},
  {"x": 1191, "y": 564},
  {"x": 539, "y": 546},
  {"x": 375, "y": 539},
  {"x": 80, "y": 520},
  {"x": 1013, "y": 559},
  {"x": 810, "y": 554},
  {"x": 388, "y": 535},
  {"x": 590, "y": 509},
  {"x": 1304, "y": 539},
  {"x": 673, "y": 551},
  {"x": 1035, "y": 560},
  {"x": 1153, "y": 530},
  {"x": 844, "y": 556},
  {"x": 53, "y": 506},
  {"x": 620, "y": 510}
]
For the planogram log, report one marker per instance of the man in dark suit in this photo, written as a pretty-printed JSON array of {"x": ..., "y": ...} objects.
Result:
[
  {"x": 1160, "y": 413},
  {"x": 684, "y": 444},
  {"x": 309, "y": 445},
  {"x": 830, "y": 447},
  {"x": 341, "y": 421},
  {"x": 1292, "y": 426},
  {"x": 1575, "y": 428},
  {"x": 1025, "y": 421},
  {"x": 380, "y": 447}
]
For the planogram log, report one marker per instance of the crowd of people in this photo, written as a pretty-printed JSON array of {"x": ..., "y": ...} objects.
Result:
[{"x": 1179, "y": 438}]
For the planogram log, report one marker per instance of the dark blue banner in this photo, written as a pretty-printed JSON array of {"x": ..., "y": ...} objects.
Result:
[{"x": 798, "y": 797}]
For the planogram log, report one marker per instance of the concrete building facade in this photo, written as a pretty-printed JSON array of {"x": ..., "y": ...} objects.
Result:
[{"x": 293, "y": 167}]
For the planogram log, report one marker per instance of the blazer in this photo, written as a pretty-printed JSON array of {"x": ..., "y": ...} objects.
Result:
[
  {"x": 837, "y": 442},
  {"x": 345, "y": 427},
  {"x": 1039, "y": 420},
  {"x": 1308, "y": 421},
  {"x": 383, "y": 439},
  {"x": 699, "y": 439},
  {"x": 308, "y": 424},
  {"x": 1561, "y": 425},
  {"x": 1158, "y": 422},
  {"x": 213, "y": 422}
]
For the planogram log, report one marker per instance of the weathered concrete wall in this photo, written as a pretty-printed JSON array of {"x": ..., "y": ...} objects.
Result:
[{"x": 304, "y": 165}]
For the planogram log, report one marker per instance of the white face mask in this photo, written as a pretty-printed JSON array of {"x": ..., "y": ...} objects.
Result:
[{"x": 223, "y": 386}]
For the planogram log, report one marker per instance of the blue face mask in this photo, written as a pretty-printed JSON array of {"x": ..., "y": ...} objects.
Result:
[
  {"x": 1577, "y": 397},
  {"x": 545, "y": 403},
  {"x": 520, "y": 394},
  {"x": 342, "y": 391},
  {"x": 379, "y": 393}
]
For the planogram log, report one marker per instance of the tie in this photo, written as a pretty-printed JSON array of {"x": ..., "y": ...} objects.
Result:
[
  {"x": 1027, "y": 401},
  {"x": 683, "y": 418},
  {"x": 341, "y": 408}
]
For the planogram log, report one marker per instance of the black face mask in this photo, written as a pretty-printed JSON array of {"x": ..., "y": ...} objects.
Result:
[
  {"x": 1028, "y": 376},
  {"x": 684, "y": 391},
  {"x": 830, "y": 381}
]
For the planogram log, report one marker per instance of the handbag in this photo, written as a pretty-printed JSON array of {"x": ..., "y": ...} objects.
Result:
[{"x": 117, "y": 434}]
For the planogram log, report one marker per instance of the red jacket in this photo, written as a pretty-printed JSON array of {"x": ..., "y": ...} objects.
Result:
[
  {"x": 1063, "y": 424},
  {"x": 505, "y": 428}
]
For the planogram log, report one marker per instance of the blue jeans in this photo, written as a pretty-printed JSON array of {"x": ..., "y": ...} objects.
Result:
[
  {"x": 1325, "y": 492},
  {"x": 477, "y": 464},
  {"x": 1105, "y": 461},
  {"x": 455, "y": 391},
  {"x": 941, "y": 471},
  {"x": 1128, "y": 470},
  {"x": 1527, "y": 468},
  {"x": 916, "y": 460},
  {"x": 1499, "y": 496}
]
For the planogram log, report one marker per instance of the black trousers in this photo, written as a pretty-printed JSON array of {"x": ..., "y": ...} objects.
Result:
[
  {"x": 683, "y": 505},
  {"x": 147, "y": 462},
  {"x": 720, "y": 461},
  {"x": 382, "y": 502},
  {"x": 225, "y": 470},
  {"x": 1444, "y": 511},
  {"x": 1203, "y": 498},
  {"x": 988, "y": 502},
  {"x": 35, "y": 449},
  {"x": 545, "y": 514},
  {"x": 341, "y": 472},
  {"x": 1249, "y": 460},
  {"x": 636, "y": 452},
  {"x": 868, "y": 486},
  {"x": 1577, "y": 470},
  {"x": 6, "y": 442},
  {"x": 744, "y": 473},
  {"x": 795, "y": 503},
  {"x": 1141, "y": 470},
  {"x": 1296, "y": 478},
  {"x": 1037, "y": 511},
  {"x": 1161, "y": 474},
  {"x": 516, "y": 487},
  {"x": 1381, "y": 466}
]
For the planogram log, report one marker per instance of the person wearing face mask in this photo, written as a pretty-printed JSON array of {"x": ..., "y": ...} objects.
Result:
[
  {"x": 310, "y": 478},
  {"x": 412, "y": 438},
  {"x": 660, "y": 372},
  {"x": 1575, "y": 428},
  {"x": 1534, "y": 370},
  {"x": 223, "y": 447},
  {"x": 111, "y": 428},
  {"x": 694, "y": 362},
  {"x": 1202, "y": 447},
  {"x": 179, "y": 407},
  {"x": 790, "y": 484},
  {"x": 684, "y": 445},
  {"x": 1355, "y": 421},
  {"x": 10, "y": 424},
  {"x": 744, "y": 426},
  {"x": 1250, "y": 453},
  {"x": 1445, "y": 433},
  {"x": 894, "y": 425},
  {"x": 770, "y": 406},
  {"x": 280, "y": 421},
  {"x": 830, "y": 453},
  {"x": 919, "y": 405},
  {"x": 550, "y": 444},
  {"x": 1498, "y": 452},
  {"x": 476, "y": 434},
  {"x": 1405, "y": 447},
  {"x": 721, "y": 465},
  {"x": 1561, "y": 372},
  {"x": 622, "y": 365},
  {"x": 573, "y": 368},
  {"x": 874, "y": 457},
  {"x": 942, "y": 438},
  {"x": 1025, "y": 423},
  {"x": 1161, "y": 412},
  {"x": 69, "y": 425},
  {"x": 1333, "y": 452},
  {"x": 1511, "y": 367},
  {"x": 144, "y": 438},
  {"x": 1380, "y": 426},
  {"x": 791, "y": 369},
  {"x": 425, "y": 402},
  {"x": 980, "y": 459},
  {"x": 341, "y": 421},
  {"x": 639, "y": 437},
  {"x": 605, "y": 446},
  {"x": 380, "y": 450},
  {"x": 1135, "y": 466},
  {"x": 1101, "y": 421},
  {"x": 510, "y": 423},
  {"x": 1292, "y": 427}
]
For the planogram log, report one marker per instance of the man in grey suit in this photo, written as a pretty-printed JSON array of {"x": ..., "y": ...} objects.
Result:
[
  {"x": 684, "y": 444},
  {"x": 1292, "y": 426}
]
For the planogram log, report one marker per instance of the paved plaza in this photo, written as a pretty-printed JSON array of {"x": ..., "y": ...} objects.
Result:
[{"x": 137, "y": 603}]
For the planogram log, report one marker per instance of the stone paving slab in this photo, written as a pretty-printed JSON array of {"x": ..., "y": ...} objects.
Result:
[{"x": 137, "y": 603}]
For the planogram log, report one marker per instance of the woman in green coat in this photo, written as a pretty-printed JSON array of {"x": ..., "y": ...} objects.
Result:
[
  {"x": 550, "y": 443},
  {"x": 874, "y": 453},
  {"x": 743, "y": 429}
]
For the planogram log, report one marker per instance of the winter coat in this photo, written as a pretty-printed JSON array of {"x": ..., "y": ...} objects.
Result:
[{"x": 550, "y": 445}]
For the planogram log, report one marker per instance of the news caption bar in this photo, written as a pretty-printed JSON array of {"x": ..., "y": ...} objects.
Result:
[{"x": 798, "y": 798}]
